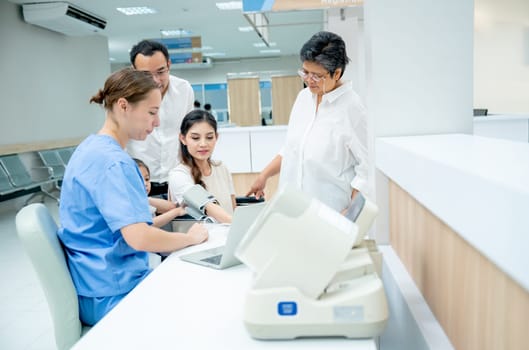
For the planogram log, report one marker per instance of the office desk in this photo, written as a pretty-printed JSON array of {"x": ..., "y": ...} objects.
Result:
[{"x": 185, "y": 306}]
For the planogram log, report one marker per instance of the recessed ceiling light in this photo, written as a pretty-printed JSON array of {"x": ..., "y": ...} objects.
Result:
[
  {"x": 270, "y": 51},
  {"x": 176, "y": 32},
  {"x": 229, "y": 5},
  {"x": 129, "y": 11},
  {"x": 261, "y": 44},
  {"x": 246, "y": 29}
]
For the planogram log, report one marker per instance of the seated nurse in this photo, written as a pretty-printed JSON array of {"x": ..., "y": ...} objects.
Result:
[
  {"x": 105, "y": 222},
  {"x": 198, "y": 137}
]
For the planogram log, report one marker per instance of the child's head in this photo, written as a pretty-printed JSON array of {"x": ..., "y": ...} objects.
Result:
[{"x": 145, "y": 173}]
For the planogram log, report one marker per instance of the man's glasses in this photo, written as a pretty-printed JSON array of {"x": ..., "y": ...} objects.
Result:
[
  {"x": 313, "y": 76},
  {"x": 160, "y": 72}
]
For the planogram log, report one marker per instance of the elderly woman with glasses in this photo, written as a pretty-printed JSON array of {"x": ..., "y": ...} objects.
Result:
[{"x": 325, "y": 153}]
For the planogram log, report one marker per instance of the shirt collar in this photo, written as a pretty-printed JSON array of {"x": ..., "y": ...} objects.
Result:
[{"x": 339, "y": 91}]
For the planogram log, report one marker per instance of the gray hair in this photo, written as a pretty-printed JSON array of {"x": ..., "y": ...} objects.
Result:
[{"x": 326, "y": 49}]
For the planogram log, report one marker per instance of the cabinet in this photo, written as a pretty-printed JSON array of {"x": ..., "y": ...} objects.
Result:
[{"x": 249, "y": 149}]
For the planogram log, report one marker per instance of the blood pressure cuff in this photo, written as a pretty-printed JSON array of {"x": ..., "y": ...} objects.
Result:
[{"x": 196, "y": 198}]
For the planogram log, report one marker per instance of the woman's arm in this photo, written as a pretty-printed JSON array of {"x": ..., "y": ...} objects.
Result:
[
  {"x": 141, "y": 236},
  {"x": 215, "y": 211},
  {"x": 259, "y": 184}
]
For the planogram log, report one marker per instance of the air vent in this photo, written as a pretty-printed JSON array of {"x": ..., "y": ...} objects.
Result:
[
  {"x": 64, "y": 18},
  {"x": 86, "y": 17}
]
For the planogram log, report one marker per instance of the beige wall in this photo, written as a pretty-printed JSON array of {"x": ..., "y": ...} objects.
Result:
[
  {"x": 244, "y": 101},
  {"x": 285, "y": 89}
]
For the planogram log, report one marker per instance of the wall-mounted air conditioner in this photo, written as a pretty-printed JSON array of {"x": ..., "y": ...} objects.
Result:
[{"x": 64, "y": 18}]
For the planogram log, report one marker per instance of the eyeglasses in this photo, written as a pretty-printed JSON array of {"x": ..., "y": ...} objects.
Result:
[
  {"x": 160, "y": 72},
  {"x": 313, "y": 76}
]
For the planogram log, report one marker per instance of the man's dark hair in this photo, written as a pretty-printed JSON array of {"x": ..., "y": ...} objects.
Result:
[{"x": 148, "y": 48}]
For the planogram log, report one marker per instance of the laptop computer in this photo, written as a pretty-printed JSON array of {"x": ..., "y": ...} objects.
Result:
[{"x": 223, "y": 256}]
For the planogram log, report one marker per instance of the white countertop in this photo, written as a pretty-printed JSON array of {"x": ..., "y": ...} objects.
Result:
[
  {"x": 186, "y": 306},
  {"x": 478, "y": 186}
]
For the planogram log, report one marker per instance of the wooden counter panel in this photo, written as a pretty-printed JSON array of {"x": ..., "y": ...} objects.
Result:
[{"x": 477, "y": 304}]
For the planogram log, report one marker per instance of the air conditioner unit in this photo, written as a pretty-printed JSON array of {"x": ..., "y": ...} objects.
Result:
[{"x": 64, "y": 18}]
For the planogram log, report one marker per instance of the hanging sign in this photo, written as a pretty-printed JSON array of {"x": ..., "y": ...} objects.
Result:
[{"x": 290, "y": 5}]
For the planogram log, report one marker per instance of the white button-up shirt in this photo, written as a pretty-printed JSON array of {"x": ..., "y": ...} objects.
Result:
[
  {"x": 325, "y": 153},
  {"x": 159, "y": 151}
]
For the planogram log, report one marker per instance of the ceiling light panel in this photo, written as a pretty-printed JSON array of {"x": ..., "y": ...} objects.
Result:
[
  {"x": 176, "y": 32},
  {"x": 261, "y": 44},
  {"x": 131, "y": 11},
  {"x": 229, "y": 5},
  {"x": 246, "y": 29},
  {"x": 270, "y": 51}
]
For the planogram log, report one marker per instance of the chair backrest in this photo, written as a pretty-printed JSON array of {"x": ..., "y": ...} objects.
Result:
[
  {"x": 38, "y": 232},
  {"x": 18, "y": 175},
  {"x": 65, "y": 154},
  {"x": 5, "y": 184},
  {"x": 52, "y": 160}
]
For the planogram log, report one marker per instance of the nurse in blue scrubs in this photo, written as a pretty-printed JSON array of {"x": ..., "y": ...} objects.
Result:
[{"x": 104, "y": 211}]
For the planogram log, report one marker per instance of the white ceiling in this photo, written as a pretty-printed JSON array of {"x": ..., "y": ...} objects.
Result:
[{"x": 218, "y": 29}]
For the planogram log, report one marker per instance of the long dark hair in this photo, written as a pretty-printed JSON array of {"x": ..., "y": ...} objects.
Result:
[{"x": 191, "y": 118}]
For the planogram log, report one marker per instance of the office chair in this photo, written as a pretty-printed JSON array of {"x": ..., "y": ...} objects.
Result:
[{"x": 38, "y": 233}]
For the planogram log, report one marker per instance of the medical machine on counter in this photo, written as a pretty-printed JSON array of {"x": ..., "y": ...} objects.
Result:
[{"x": 308, "y": 281}]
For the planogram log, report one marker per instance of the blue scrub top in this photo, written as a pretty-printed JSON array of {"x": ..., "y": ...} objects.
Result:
[{"x": 102, "y": 191}]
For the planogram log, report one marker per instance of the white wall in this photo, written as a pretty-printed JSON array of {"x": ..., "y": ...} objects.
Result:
[
  {"x": 220, "y": 69},
  {"x": 501, "y": 56},
  {"x": 351, "y": 28},
  {"x": 46, "y": 81},
  {"x": 419, "y": 74}
]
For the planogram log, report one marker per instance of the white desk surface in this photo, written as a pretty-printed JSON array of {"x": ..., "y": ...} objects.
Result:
[
  {"x": 185, "y": 306},
  {"x": 476, "y": 185}
]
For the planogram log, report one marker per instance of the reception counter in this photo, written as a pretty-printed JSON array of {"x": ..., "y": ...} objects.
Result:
[{"x": 458, "y": 221}]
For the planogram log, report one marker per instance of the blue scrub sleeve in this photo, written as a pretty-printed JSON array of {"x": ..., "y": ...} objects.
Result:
[{"x": 121, "y": 196}]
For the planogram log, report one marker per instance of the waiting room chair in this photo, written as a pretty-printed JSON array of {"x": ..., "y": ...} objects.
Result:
[
  {"x": 65, "y": 154},
  {"x": 20, "y": 178},
  {"x": 16, "y": 171},
  {"x": 52, "y": 160},
  {"x": 5, "y": 184},
  {"x": 38, "y": 233}
]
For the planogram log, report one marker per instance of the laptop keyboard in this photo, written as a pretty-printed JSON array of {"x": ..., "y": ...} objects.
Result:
[{"x": 215, "y": 260}]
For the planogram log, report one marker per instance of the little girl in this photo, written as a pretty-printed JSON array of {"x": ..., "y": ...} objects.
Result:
[{"x": 162, "y": 210}]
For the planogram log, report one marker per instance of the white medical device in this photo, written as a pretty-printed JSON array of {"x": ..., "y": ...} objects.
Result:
[{"x": 308, "y": 281}]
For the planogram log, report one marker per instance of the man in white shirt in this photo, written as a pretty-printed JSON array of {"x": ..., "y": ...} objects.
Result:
[
  {"x": 325, "y": 154},
  {"x": 160, "y": 149}
]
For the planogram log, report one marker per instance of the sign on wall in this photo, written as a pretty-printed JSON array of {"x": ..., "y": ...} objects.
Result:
[{"x": 289, "y": 5}]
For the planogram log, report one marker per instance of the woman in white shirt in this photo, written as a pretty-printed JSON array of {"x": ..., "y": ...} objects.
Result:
[
  {"x": 325, "y": 154},
  {"x": 198, "y": 137}
]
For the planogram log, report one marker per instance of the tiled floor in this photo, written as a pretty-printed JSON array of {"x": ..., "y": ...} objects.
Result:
[{"x": 24, "y": 317}]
